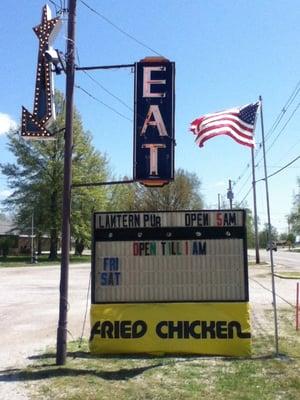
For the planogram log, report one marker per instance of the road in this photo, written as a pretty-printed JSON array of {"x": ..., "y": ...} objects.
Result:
[
  {"x": 281, "y": 257},
  {"x": 29, "y": 299}
]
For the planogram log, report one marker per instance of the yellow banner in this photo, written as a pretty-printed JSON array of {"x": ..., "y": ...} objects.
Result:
[{"x": 177, "y": 328}]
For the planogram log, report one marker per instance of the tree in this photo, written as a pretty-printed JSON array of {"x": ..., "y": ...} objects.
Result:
[
  {"x": 124, "y": 197},
  {"x": 287, "y": 238},
  {"x": 250, "y": 229},
  {"x": 37, "y": 180},
  {"x": 264, "y": 236},
  {"x": 249, "y": 224},
  {"x": 182, "y": 193},
  {"x": 6, "y": 243},
  {"x": 293, "y": 218}
]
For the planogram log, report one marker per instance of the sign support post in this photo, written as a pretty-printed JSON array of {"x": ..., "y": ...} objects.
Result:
[
  {"x": 61, "y": 350},
  {"x": 257, "y": 259},
  {"x": 270, "y": 230}
]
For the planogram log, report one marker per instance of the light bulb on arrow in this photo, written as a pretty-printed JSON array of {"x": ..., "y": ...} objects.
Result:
[{"x": 34, "y": 126}]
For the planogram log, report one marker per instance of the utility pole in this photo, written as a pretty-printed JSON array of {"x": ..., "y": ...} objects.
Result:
[
  {"x": 61, "y": 350},
  {"x": 255, "y": 209},
  {"x": 32, "y": 240},
  {"x": 230, "y": 194},
  {"x": 219, "y": 201}
]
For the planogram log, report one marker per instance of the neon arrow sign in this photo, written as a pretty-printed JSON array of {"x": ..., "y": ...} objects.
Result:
[{"x": 34, "y": 126}]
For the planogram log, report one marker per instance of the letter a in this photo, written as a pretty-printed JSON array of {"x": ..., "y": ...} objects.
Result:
[{"x": 158, "y": 121}]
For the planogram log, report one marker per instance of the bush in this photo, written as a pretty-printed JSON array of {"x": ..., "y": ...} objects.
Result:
[{"x": 6, "y": 243}]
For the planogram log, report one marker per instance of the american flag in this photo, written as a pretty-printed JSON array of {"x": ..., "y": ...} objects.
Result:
[{"x": 238, "y": 123}]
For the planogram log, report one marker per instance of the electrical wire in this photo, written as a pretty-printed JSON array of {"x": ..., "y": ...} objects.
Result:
[
  {"x": 284, "y": 109},
  {"x": 240, "y": 176},
  {"x": 245, "y": 183},
  {"x": 280, "y": 132},
  {"x": 282, "y": 129},
  {"x": 246, "y": 195},
  {"x": 277, "y": 121},
  {"x": 118, "y": 28},
  {"x": 271, "y": 175},
  {"x": 107, "y": 91},
  {"x": 281, "y": 169},
  {"x": 269, "y": 290},
  {"x": 288, "y": 151},
  {"x": 56, "y": 6},
  {"x": 104, "y": 104},
  {"x": 247, "y": 166},
  {"x": 103, "y": 88},
  {"x": 86, "y": 311}
]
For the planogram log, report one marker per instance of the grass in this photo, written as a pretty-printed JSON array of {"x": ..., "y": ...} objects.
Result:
[
  {"x": 254, "y": 263},
  {"x": 43, "y": 260},
  {"x": 260, "y": 377},
  {"x": 288, "y": 275}
]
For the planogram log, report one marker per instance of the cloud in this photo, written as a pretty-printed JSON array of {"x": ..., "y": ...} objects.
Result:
[
  {"x": 5, "y": 193},
  {"x": 6, "y": 123},
  {"x": 219, "y": 184}
]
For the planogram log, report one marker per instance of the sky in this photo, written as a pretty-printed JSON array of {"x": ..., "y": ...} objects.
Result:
[{"x": 227, "y": 54}]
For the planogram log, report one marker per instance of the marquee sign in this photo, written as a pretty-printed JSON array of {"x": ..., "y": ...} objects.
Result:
[
  {"x": 170, "y": 256},
  {"x": 34, "y": 126},
  {"x": 170, "y": 282},
  {"x": 154, "y": 139}
]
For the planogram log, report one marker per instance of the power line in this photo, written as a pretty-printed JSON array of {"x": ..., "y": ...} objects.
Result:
[
  {"x": 242, "y": 174},
  {"x": 111, "y": 94},
  {"x": 278, "y": 166},
  {"x": 282, "y": 129},
  {"x": 281, "y": 169},
  {"x": 246, "y": 181},
  {"x": 118, "y": 28},
  {"x": 280, "y": 132},
  {"x": 278, "y": 119},
  {"x": 107, "y": 91},
  {"x": 246, "y": 195},
  {"x": 56, "y": 6},
  {"x": 277, "y": 295},
  {"x": 247, "y": 166},
  {"x": 287, "y": 152},
  {"x": 59, "y": 9},
  {"x": 103, "y": 88},
  {"x": 101, "y": 102},
  {"x": 284, "y": 109}
]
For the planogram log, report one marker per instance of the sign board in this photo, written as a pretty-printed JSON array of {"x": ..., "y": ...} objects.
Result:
[
  {"x": 170, "y": 282},
  {"x": 182, "y": 256},
  {"x": 154, "y": 105},
  {"x": 221, "y": 328},
  {"x": 34, "y": 125}
]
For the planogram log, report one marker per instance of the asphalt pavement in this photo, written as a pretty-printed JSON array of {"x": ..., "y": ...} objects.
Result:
[{"x": 282, "y": 258}]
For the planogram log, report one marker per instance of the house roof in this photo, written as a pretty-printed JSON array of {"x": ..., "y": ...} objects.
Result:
[{"x": 7, "y": 228}]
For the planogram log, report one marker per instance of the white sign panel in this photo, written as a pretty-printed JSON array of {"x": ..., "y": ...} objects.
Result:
[{"x": 170, "y": 257}]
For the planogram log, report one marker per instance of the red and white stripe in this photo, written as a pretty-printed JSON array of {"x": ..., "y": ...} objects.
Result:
[{"x": 223, "y": 123}]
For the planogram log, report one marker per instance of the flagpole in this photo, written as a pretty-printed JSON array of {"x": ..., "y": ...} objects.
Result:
[
  {"x": 257, "y": 260},
  {"x": 269, "y": 229}
]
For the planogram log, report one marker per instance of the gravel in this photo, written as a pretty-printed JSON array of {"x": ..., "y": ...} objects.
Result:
[{"x": 29, "y": 312}]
